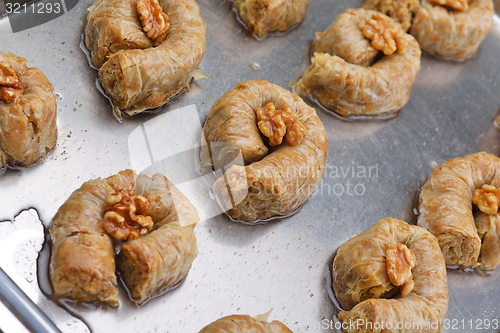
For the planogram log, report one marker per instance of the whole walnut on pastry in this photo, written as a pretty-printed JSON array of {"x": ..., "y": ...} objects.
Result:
[{"x": 401, "y": 11}]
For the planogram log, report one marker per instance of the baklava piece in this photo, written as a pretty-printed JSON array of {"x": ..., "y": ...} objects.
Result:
[
  {"x": 150, "y": 216},
  {"x": 245, "y": 324},
  {"x": 364, "y": 65},
  {"x": 453, "y": 28},
  {"x": 28, "y": 113},
  {"x": 264, "y": 16},
  {"x": 459, "y": 205},
  {"x": 147, "y": 51},
  {"x": 282, "y": 143},
  {"x": 392, "y": 275}
]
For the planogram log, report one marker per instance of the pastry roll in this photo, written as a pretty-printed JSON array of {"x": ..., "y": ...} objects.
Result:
[
  {"x": 245, "y": 324},
  {"x": 150, "y": 215},
  {"x": 282, "y": 168},
  {"x": 28, "y": 113},
  {"x": 347, "y": 77},
  {"x": 453, "y": 32},
  {"x": 446, "y": 209},
  {"x": 264, "y": 16},
  {"x": 391, "y": 274},
  {"x": 139, "y": 69}
]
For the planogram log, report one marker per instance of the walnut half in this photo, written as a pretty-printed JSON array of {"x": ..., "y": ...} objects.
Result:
[
  {"x": 154, "y": 21},
  {"x": 276, "y": 124},
  {"x": 487, "y": 199},
  {"x": 123, "y": 220},
  {"x": 386, "y": 35},
  {"x": 10, "y": 83},
  {"x": 400, "y": 10},
  {"x": 460, "y": 5},
  {"x": 400, "y": 261}
]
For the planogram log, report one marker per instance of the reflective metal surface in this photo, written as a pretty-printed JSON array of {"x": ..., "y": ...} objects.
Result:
[{"x": 374, "y": 170}]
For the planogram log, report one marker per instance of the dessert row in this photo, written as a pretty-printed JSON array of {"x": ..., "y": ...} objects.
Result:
[
  {"x": 147, "y": 52},
  {"x": 391, "y": 273}
]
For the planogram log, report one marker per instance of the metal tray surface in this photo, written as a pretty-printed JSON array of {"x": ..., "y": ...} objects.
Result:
[{"x": 374, "y": 170}]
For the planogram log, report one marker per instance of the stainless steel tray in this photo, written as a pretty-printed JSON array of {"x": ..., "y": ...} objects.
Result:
[{"x": 280, "y": 265}]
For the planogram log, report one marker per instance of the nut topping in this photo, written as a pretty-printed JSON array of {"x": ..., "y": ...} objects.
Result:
[
  {"x": 487, "y": 199},
  {"x": 460, "y": 5},
  {"x": 10, "y": 83},
  {"x": 386, "y": 35},
  {"x": 400, "y": 261},
  {"x": 154, "y": 21},
  {"x": 123, "y": 220},
  {"x": 400, "y": 10},
  {"x": 276, "y": 124}
]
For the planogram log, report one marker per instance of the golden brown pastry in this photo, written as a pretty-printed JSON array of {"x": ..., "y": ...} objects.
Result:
[
  {"x": 454, "y": 33},
  {"x": 488, "y": 230},
  {"x": 392, "y": 273},
  {"x": 264, "y": 16},
  {"x": 345, "y": 75},
  {"x": 446, "y": 209},
  {"x": 245, "y": 324},
  {"x": 154, "y": 257},
  {"x": 401, "y": 11},
  {"x": 137, "y": 69},
  {"x": 28, "y": 113},
  {"x": 275, "y": 180}
]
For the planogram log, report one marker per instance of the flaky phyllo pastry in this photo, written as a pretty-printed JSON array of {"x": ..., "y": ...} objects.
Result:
[
  {"x": 459, "y": 205},
  {"x": 147, "y": 51},
  {"x": 245, "y": 324},
  {"x": 282, "y": 144},
  {"x": 28, "y": 113},
  {"x": 391, "y": 274},
  {"x": 448, "y": 28},
  {"x": 151, "y": 216},
  {"x": 264, "y": 16},
  {"x": 363, "y": 65},
  {"x": 453, "y": 28}
]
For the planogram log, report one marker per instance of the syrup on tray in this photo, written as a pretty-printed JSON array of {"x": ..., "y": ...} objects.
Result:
[{"x": 331, "y": 294}]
